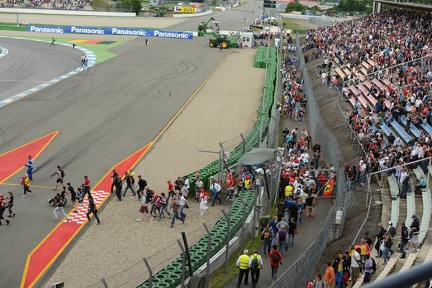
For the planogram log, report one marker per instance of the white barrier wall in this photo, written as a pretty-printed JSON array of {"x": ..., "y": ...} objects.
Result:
[{"x": 64, "y": 12}]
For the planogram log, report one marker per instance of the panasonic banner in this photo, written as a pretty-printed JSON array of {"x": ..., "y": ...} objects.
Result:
[{"x": 110, "y": 31}]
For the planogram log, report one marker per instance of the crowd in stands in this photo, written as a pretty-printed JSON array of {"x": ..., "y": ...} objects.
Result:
[
  {"x": 48, "y": 4},
  {"x": 381, "y": 63},
  {"x": 399, "y": 43}
]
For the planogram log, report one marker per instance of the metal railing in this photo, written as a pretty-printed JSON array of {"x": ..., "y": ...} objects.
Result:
[{"x": 300, "y": 271}]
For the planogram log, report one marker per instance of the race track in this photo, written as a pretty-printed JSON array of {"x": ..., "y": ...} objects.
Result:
[
  {"x": 31, "y": 63},
  {"x": 103, "y": 115}
]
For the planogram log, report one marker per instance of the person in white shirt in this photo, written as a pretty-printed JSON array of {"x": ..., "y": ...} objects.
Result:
[
  {"x": 182, "y": 202},
  {"x": 215, "y": 189},
  {"x": 355, "y": 265}
]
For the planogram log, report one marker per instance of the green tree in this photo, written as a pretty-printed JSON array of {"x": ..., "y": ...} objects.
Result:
[
  {"x": 295, "y": 7},
  {"x": 136, "y": 5}
]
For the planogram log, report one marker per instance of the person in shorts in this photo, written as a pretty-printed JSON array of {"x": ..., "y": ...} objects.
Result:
[
  {"x": 309, "y": 207},
  {"x": 143, "y": 206},
  {"x": 355, "y": 265},
  {"x": 59, "y": 180}
]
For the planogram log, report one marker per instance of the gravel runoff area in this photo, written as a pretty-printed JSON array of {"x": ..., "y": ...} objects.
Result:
[{"x": 221, "y": 110}]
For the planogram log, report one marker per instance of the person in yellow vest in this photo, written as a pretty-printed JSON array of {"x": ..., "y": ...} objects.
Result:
[
  {"x": 247, "y": 182},
  {"x": 288, "y": 191},
  {"x": 243, "y": 264},
  {"x": 255, "y": 264}
]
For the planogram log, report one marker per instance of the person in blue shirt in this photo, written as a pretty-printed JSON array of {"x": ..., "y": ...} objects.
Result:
[
  {"x": 273, "y": 224},
  {"x": 29, "y": 166}
]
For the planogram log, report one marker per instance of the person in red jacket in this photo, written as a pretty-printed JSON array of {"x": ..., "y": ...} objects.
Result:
[{"x": 275, "y": 261}]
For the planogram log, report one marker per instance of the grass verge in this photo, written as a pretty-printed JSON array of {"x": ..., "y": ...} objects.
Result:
[
  {"x": 219, "y": 279},
  {"x": 100, "y": 50}
]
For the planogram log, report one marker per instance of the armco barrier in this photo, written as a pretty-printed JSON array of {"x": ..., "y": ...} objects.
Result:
[{"x": 170, "y": 276}]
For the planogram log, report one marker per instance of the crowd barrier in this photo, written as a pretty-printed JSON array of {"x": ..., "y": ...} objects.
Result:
[{"x": 169, "y": 276}]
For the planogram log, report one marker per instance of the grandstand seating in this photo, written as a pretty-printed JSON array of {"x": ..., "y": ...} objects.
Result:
[
  {"x": 363, "y": 101},
  {"x": 367, "y": 84},
  {"x": 386, "y": 82},
  {"x": 410, "y": 204},
  {"x": 416, "y": 132},
  {"x": 409, "y": 261},
  {"x": 366, "y": 65},
  {"x": 354, "y": 90},
  {"x": 385, "y": 129},
  {"x": 425, "y": 220},
  {"x": 340, "y": 73},
  {"x": 378, "y": 84},
  {"x": 427, "y": 128},
  {"x": 418, "y": 172},
  {"x": 394, "y": 192},
  {"x": 401, "y": 131},
  {"x": 371, "y": 62}
]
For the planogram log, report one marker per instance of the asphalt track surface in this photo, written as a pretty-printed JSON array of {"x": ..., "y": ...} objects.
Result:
[
  {"x": 103, "y": 115},
  {"x": 21, "y": 70}
]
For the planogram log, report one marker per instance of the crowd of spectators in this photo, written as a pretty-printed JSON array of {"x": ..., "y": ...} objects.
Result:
[
  {"x": 300, "y": 167},
  {"x": 399, "y": 44},
  {"x": 48, "y": 4}
]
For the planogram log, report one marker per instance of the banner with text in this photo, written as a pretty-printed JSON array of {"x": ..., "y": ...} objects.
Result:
[{"x": 110, "y": 31}]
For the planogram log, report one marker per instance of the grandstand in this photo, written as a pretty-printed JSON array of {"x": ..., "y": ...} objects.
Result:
[
  {"x": 381, "y": 64},
  {"x": 47, "y": 4}
]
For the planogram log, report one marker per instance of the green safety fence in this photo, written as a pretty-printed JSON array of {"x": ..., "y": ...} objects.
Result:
[{"x": 170, "y": 276}]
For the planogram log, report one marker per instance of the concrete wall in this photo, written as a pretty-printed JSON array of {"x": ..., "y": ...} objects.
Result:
[{"x": 64, "y": 12}]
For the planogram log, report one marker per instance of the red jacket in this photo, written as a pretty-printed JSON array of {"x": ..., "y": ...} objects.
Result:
[{"x": 271, "y": 257}]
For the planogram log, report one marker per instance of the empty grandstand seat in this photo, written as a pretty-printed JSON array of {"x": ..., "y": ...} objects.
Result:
[
  {"x": 427, "y": 128},
  {"x": 401, "y": 131},
  {"x": 385, "y": 129},
  {"x": 416, "y": 132}
]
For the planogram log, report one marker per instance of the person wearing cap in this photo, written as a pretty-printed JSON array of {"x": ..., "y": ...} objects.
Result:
[
  {"x": 415, "y": 228},
  {"x": 368, "y": 268},
  {"x": 203, "y": 196},
  {"x": 355, "y": 265},
  {"x": 243, "y": 264}
]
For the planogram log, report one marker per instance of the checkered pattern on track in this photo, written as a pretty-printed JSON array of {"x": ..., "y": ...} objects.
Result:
[{"x": 80, "y": 217}]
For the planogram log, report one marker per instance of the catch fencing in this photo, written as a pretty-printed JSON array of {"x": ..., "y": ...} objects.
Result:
[{"x": 301, "y": 269}]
